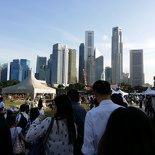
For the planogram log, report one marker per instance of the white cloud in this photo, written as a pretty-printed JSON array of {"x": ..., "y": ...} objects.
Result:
[{"x": 105, "y": 37}]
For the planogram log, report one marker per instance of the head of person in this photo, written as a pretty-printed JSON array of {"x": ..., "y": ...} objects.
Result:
[
  {"x": 62, "y": 106},
  {"x": 128, "y": 132},
  {"x": 11, "y": 120},
  {"x": 22, "y": 108},
  {"x": 102, "y": 90},
  {"x": 34, "y": 113},
  {"x": 62, "y": 109},
  {"x": 118, "y": 99},
  {"x": 74, "y": 95}
]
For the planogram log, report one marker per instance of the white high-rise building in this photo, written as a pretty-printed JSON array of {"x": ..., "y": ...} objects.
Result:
[
  {"x": 65, "y": 65},
  {"x": 59, "y": 65},
  {"x": 89, "y": 57},
  {"x": 117, "y": 55},
  {"x": 136, "y": 67}
]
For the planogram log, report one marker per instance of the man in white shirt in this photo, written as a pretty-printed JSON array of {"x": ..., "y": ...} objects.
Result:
[{"x": 97, "y": 118}]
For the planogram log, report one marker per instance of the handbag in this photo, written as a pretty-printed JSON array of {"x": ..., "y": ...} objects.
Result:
[
  {"x": 18, "y": 144},
  {"x": 38, "y": 147}
]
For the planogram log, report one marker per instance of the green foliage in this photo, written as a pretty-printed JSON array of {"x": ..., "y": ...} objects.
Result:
[{"x": 10, "y": 83}]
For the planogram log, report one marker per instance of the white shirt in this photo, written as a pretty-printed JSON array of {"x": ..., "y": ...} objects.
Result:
[
  {"x": 14, "y": 132},
  {"x": 41, "y": 111},
  {"x": 95, "y": 125},
  {"x": 2, "y": 104},
  {"x": 18, "y": 117}
]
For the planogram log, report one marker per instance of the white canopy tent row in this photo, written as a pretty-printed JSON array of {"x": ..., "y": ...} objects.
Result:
[
  {"x": 149, "y": 91},
  {"x": 122, "y": 92},
  {"x": 30, "y": 85}
]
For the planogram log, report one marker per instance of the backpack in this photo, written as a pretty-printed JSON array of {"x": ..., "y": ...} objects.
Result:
[{"x": 22, "y": 122}]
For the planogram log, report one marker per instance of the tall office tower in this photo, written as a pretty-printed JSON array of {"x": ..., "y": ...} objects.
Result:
[
  {"x": 108, "y": 75},
  {"x": 4, "y": 72},
  {"x": 72, "y": 78},
  {"x": 56, "y": 77},
  {"x": 41, "y": 64},
  {"x": 89, "y": 57},
  {"x": 136, "y": 67},
  {"x": 59, "y": 64},
  {"x": 99, "y": 68},
  {"x": 16, "y": 70},
  {"x": 81, "y": 62},
  {"x": 117, "y": 55},
  {"x": 65, "y": 65},
  {"x": 26, "y": 67}
]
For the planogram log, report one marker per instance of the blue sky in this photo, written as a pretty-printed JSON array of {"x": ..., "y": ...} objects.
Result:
[{"x": 30, "y": 27}]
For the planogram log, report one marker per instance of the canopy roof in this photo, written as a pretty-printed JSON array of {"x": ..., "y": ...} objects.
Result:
[
  {"x": 149, "y": 91},
  {"x": 29, "y": 85}
]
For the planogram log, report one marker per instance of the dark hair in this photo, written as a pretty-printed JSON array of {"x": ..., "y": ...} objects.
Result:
[
  {"x": 11, "y": 119},
  {"x": 117, "y": 99},
  {"x": 22, "y": 107},
  {"x": 102, "y": 87},
  {"x": 1, "y": 99},
  {"x": 65, "y": 110},
  {"x": 5, "y": 137},
  {"x": 34, "y": 113},
  {"x": 74, "y": 95},
  {"x": 129, "y": 132},
  {"x": 40, "y": 103}
]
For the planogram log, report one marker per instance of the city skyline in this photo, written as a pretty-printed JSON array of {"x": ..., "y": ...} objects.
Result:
[{"x": 31, "y": 28}]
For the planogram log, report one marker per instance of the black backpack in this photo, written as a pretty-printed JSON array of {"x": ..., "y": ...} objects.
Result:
[{"x": 22, "y": 122}]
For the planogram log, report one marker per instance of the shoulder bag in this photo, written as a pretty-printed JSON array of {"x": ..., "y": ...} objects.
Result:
[
  {"x": 38, "y": 147},
  {"x": 18, "y": 144}
]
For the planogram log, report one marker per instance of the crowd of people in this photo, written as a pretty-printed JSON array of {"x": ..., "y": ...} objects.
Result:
[{"x": 111, "y": 126}]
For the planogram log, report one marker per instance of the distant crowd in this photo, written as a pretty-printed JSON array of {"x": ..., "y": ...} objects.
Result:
[{"x": 113, "y": 125}]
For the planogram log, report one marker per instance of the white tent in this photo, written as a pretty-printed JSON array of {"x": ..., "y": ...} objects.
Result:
[
  {"x": 122, "y": 92},
  {"x": 149, "y": 91},
  {"x": 30, "y": 85}
]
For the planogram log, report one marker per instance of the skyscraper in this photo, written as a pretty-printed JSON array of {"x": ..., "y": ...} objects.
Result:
[
  {"x": 136, "y": 67},
  {"x": 65, "y": 65},
  {"x": 117, "y": 55},
  {"x": 99, "y": 68},
  {"x": 108, "y": 76},
  {"x": 16, "y": 70},
  {"x": 72, "y": 78},
  {"x": 81, "y": 62},
  {"x": 26, "y": 67},
  {"x": 3, "y": 72},
  {"x": 59, "y": 64},
  {"x": 89, "y": 57},
  {"x": 56, "y": 64}
]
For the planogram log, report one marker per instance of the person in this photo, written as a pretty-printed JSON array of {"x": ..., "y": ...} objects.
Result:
[
  {"x": 27, "y": 104},
  {"x": 5, "y": 137},
  {"x": 15, "y": 131},
  {"x": 118, "y": 99},
  {"x": 129, "y": 132},
  {"x": 22, "y": 118},
  {"x": 34, "y": 113},
  {"x": 79, "y": 114},
  {"x": 97, "y": 118},
  {"x": 2, "y": 105},
  {"x": 40, "y": 106},
  {"x": 62, "y": 137}
]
